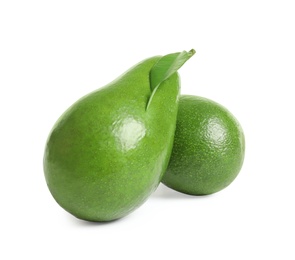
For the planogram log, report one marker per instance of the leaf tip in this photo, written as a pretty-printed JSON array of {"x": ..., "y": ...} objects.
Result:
[{"x": 191, "y": 52}]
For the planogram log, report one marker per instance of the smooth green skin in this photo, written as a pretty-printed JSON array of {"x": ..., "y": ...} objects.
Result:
[
  {"x": 107, "y": 153},
  {"x": 208, "y": 150}
]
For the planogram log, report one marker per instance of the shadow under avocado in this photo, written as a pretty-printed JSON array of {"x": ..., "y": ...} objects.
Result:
[
  {"x": 164, "y": 192},
  {"x": 87, "y": 223}
]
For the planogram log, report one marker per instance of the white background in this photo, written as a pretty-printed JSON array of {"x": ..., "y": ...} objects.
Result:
[{"x": 53, "y": 52}]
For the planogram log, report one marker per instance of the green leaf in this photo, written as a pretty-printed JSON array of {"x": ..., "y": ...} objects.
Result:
[{"x": 165, "y": 67}]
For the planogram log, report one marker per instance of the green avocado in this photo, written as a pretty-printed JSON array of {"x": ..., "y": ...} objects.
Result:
[
  {"x": 208, "y": 150},
  {"x": 107, "y": 153}
]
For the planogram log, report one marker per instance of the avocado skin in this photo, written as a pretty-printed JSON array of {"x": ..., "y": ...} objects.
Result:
[
  {"x": 208, "y": 150},
  {"x": 106, "y": 154}
]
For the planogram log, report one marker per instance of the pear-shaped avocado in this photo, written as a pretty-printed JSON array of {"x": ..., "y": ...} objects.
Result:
[{"x": 107, "y": 153}]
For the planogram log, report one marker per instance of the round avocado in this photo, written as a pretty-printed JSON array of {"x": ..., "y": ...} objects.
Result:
[{"x": 208, "y": 150}]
